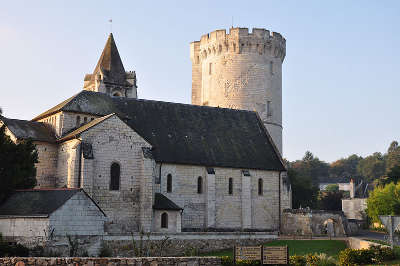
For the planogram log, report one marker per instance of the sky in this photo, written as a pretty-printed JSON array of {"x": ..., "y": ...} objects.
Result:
[{"x": 340, "y": 74}]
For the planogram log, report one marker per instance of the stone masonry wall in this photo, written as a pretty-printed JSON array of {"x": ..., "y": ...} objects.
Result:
[
  {"x": 114, "y": 142},
  {"x": 354, "y": 208},
  {"x": 67, "y": 164},
  {"x": 241, "y": 70},
  {"x": 181, "y": 261},
  {"x": 87, "y": 218},
  {"x": 47, "y": 164},
  {"x": 26, "y": 227},
  {"x": 264, "y": 210}
]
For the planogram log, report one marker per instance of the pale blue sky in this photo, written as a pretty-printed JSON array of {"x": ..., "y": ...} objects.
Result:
[{"x": 340, "y": 75}]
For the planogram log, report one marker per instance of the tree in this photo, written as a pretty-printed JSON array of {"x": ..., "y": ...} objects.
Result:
[
  {"x": 332, "y": 187},
  {"x": 372, "y": 167},
  {"x": 304, "y": 192},
  {"x": 17, "y": 165},
  {"x": 330, "y": 200},
  {"x": 393, "y": 156},
  {"x": 345, "y": 167},
  {"x": 384, "y": 201}
]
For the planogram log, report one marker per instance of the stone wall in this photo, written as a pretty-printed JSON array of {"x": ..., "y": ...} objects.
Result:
[
  {"x": 357, "y": 243},
  {"x": 67, "y": 164},
  {"x": 113, "y": 141},
  {"x": 244, "y": 208},
  {"x": 241, "y": 70},
  {"x": 47, "y": 164},
  {"x": 181, "y": 261},
  {"x": 354, "y": 208},
  {"x": 174, "y": 221},
  {"x": 314, "y": 222},
  {"x": 78, "y": 216},
  {"x": 26, "y": 227}
]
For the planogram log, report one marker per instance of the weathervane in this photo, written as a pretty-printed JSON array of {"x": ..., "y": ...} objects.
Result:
[{"x": 110, "y": 20}]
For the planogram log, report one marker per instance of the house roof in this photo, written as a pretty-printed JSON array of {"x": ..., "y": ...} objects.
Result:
[
  {"x": 23, "y": 129},
  {"x": 188, "y": 134},
  {"x": 161, "y": 202},
  {"x": 37, "y": 202}
]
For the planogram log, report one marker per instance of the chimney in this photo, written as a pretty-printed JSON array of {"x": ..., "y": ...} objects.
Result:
[{"x": 352, "y": 188}]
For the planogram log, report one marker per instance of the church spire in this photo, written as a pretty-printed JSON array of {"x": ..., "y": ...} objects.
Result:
[
  {"x": 110, "y": 63},
  {"x": 109, "y": 75}
]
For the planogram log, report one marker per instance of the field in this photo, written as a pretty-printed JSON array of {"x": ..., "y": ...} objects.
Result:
[{"x": 298, "y": 247}]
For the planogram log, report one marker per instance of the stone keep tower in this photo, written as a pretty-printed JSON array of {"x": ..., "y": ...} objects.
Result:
[{"x": 241, "y": 70}]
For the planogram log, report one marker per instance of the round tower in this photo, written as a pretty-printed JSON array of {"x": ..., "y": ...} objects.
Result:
[{"x": 241, "y": 70}]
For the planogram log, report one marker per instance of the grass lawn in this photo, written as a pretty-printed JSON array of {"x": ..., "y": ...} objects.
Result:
[{"x": 298, "y": 247}]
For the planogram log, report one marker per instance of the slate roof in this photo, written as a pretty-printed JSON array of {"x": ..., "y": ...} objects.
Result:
[
  {"x": 161, "y": 202},
  {"x": 37, "y": 202},
  {"x": 110, "y": 63},
  {"x": 187, "y": 134},
  {"x": 23, "y": 129}
]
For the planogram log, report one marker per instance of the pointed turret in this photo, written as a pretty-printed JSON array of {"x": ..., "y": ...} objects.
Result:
[{"x": 109, "y": 75}]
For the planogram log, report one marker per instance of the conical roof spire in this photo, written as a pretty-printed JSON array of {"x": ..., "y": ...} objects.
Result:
[{"x": 110, "y": 63}]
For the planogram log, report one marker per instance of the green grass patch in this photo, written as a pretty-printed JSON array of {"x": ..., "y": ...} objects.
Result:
[{"x": 297, "y": 247}]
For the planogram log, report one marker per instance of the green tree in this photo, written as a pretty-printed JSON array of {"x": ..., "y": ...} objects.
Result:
[
  {"x": 304, "y": 192},
  {"x": 393, "y": 156},
  {"x": 330, "y": 200},
  {"x": 345, "y": 167},
  {"x": 332, "y": 187},
  {"x": 372, "y": 167},
  {"x": 384, "y": 201},
  {"x": 17, "y": 165}
]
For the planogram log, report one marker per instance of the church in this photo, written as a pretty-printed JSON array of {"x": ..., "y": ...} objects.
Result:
[{"x": 213, "y": 165}]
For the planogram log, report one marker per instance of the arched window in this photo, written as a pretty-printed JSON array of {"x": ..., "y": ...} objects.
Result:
[
  {"x": 78, "y": 121},
  {"x": 169, "y": 183},
  {"x": 164, "y": 220},
  {"x": 85, "y": 120},
  {"x": 260, "y": 186},
  {"x": 230, "y": 186},
  {"x": 199, "y": 185},
  {"x": 115, "y": 176}
]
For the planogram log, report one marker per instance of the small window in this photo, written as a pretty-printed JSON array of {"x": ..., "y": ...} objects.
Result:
[
  {"x": 91, "y": 119},
  {"x": 169, "y": 183},
  {"x": 115, "y": 176},
  {"x": 78, "y": 121},
  {"x": 260, "y": 187},
  {"x": 85, "y": 120},
  {"x": 210, "y": 69},
  {"x": 164, "y": 220},
  {"x": 199, "y": 185},
  {"x": 230, "y": 186}
]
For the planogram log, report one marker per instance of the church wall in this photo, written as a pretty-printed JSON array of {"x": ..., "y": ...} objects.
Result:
[
  {"x": 69, "y": 120},
  {"x": 114, "y": 142},
  {"x": 67, "y": 164},
  {"x": 47, "y": 164},
  {"x": 174, "y": 221},
  {"x": 241, "y": 209},
  {"x": 54, "y": 121}
]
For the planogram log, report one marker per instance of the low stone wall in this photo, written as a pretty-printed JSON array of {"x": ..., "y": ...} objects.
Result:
[
  {"x": 184, "y": 243},
  {"x": 155, "y": 244},
  {"x": 181, "y": 261},
  {"x": 314, "y": 222},
  {"x": 358, "y": 243}
]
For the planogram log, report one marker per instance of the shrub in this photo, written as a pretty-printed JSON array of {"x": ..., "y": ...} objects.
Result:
[
  {"x": 228, "y": 261},
  {"x": 297, "y": 260},
  {"x": 105, "y": 251},
  {"x": 375, "y": 254}
]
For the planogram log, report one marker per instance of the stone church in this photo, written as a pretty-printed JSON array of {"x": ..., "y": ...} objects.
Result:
[{"x": 214, "y": 165}]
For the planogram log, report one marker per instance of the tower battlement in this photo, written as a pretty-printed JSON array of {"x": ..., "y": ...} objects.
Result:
[
  {"x": 239, "y": 40},
  {"x": 241, "y": 70}
]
